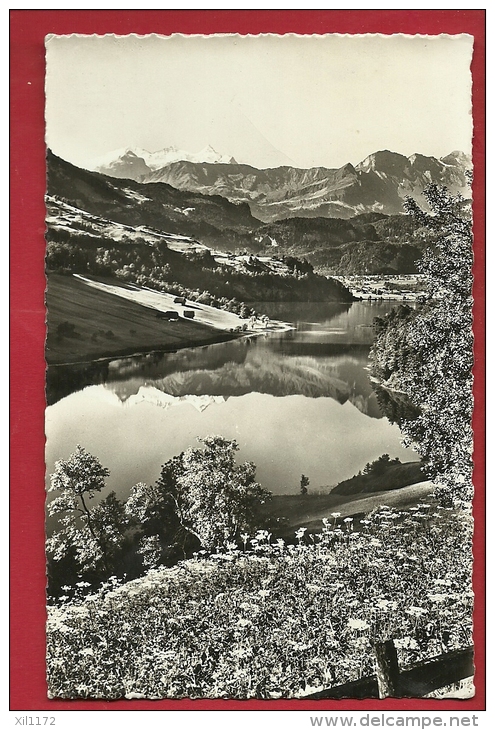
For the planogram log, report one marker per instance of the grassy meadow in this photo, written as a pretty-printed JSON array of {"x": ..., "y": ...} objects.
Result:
[
  {"x": 272, "y": 620},
  {"x": 106, "y": 325},
  {"x": 294, "y": 511}
]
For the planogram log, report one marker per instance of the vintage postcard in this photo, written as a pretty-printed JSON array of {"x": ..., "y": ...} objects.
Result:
[{"x": 259, "y": 355}]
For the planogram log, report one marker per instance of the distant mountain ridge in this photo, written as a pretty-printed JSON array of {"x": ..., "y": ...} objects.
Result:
[
  {"x": 378, "y": 184},
  {"x": 136, "y": 163}
]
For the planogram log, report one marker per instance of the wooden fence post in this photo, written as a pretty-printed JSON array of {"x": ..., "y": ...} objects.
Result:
[
  {"x": 417, "y": 681},
  {"x": 387, "y": 669}
]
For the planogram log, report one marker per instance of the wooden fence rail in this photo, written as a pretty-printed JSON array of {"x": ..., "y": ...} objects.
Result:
[{"x": 418, "y": 681}]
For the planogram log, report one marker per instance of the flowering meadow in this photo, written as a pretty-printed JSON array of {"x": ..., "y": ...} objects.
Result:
[{"x": 272, "y": 620}]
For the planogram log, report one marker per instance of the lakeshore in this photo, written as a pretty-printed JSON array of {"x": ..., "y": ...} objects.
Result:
[{"x": 90, "y": 320}]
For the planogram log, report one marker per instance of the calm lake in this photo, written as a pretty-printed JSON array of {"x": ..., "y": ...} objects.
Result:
[{"x": 296, "y": 402}]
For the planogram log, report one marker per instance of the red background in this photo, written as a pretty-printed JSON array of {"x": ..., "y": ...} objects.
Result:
[{"x": 27, "y": 31}]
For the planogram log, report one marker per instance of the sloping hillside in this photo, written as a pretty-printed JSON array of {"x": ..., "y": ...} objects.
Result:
[
  {"x": 152, "y": 235},
  {"x": 212, "y": 218},
  {"x": 369, "y": 243},
  {"x": 85, "y": 323},
  {"x": 290, "y": 512},
  {"x": 394, "y": 476}
]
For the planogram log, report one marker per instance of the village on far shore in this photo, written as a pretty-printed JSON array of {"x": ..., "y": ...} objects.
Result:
[{"x": 385, "y": 287}]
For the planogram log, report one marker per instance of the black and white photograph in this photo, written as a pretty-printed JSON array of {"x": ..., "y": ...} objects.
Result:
[{"x": 259, "y": 445}]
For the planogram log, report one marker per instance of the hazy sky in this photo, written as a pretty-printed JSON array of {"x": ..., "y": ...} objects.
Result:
[{"x": 266, "y": 100}]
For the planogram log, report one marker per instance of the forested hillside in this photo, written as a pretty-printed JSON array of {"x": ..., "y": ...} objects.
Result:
[{"x": 427, "y": 353}]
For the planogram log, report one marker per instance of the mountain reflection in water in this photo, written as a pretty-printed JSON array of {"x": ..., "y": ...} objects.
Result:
[
  {"x": 317, "y": 359},
  {"x": 296, "y": 402}
]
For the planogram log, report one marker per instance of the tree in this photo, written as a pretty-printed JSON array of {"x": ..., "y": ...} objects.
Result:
[
  {"x": 429, "y": 354},
  {"x": 93, "y": 535},
  {"x": 304, "y": 484},
  {"x": 214, "y": 498},
  {"x": 380, "y": 465},
  {"x": 153, "y": 511}
]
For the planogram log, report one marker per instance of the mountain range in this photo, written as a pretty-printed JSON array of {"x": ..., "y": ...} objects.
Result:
[
  {"x": 157, "y": 236},
  {"x": 378, "y": 184},
  {"x": 107, "y": 208}
]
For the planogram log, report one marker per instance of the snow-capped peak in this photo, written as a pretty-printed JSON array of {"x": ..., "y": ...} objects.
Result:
[
  {"x": 208, "y": 154},
  {"x": 156, "y": 160},
  {"x": 172, "y": 154},
  {"x": 123, "y": 153}
]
